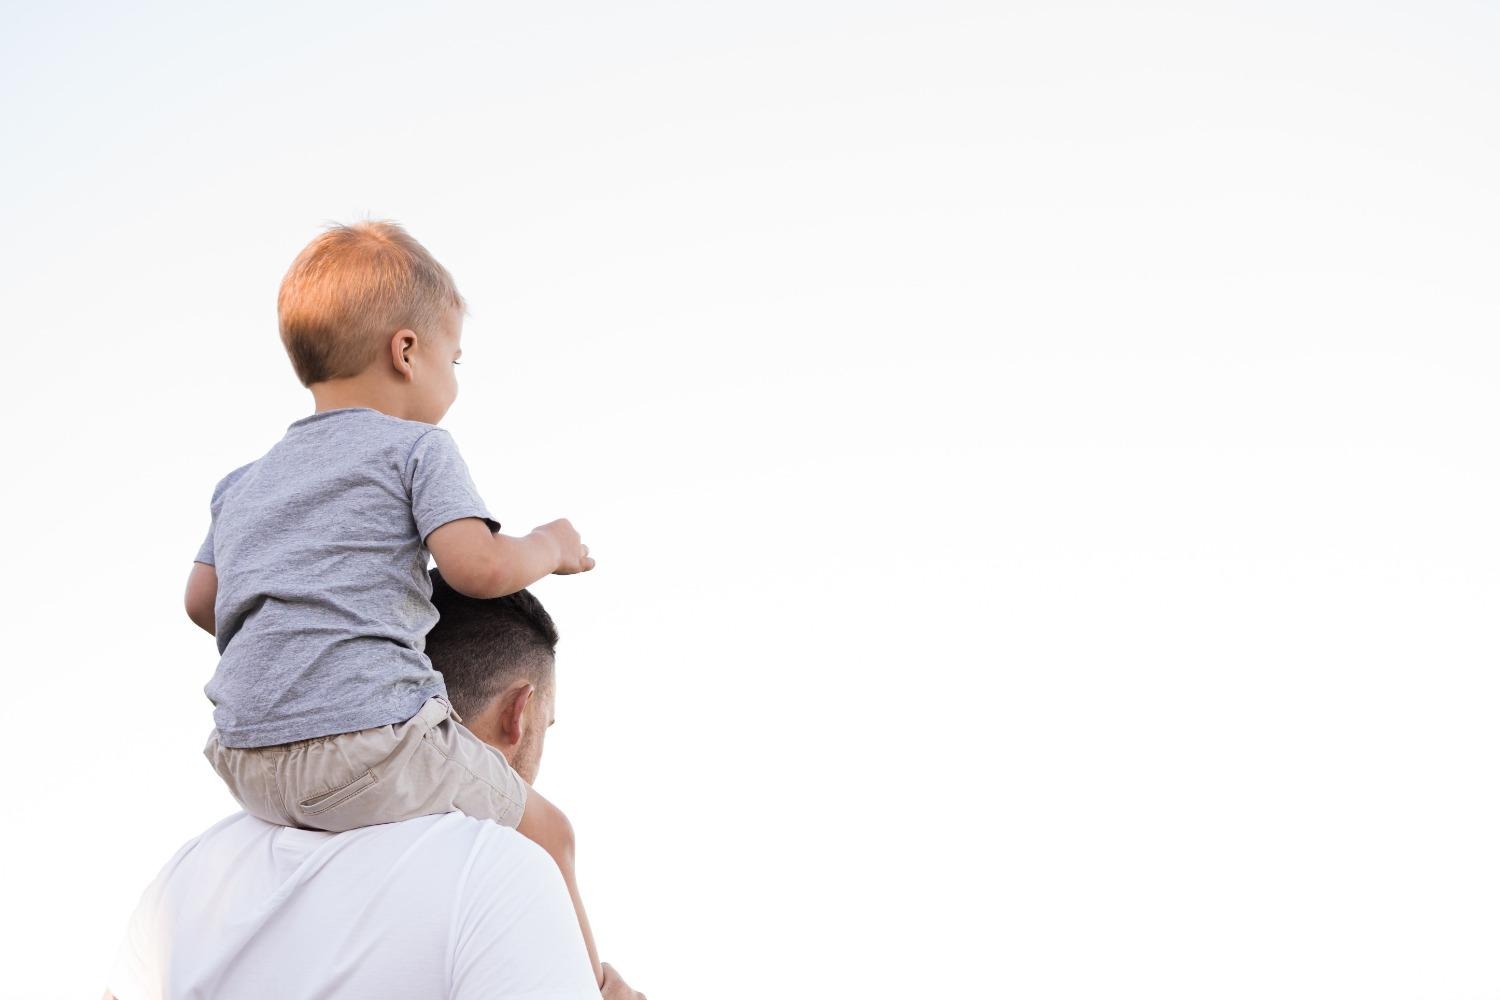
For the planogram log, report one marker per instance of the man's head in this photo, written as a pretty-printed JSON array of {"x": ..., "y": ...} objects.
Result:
[
  {"x": 369, "y": 300},
  {"x": 497, "y": 659}
]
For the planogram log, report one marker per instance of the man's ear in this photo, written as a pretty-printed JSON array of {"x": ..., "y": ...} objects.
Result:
[
  {"x": 403, "y": 342},
  {"x": 513, "y": 714}
]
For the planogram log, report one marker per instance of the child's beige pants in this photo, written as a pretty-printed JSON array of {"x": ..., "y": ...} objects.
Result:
[{"x": 428, "y": 764}]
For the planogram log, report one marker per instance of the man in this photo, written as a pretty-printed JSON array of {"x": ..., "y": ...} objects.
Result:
[{"x": 436, "y": 907}]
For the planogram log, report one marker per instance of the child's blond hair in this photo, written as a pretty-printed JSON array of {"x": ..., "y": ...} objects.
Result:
[{"x": 350, "y": 289}]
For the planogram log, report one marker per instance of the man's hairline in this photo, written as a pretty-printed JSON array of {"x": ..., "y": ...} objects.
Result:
[{"x": 543, "y": 682}]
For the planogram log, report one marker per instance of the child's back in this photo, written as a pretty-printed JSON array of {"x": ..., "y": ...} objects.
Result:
[{"x": 323, "y": 595}]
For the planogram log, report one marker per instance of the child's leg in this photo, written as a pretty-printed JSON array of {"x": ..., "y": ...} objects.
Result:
[
  {"x": 392, "y": 773},
  {"x": 543, "y": 823}
]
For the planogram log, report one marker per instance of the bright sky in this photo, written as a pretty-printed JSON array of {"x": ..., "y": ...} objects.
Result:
[{"x": 1040, "y": 456}]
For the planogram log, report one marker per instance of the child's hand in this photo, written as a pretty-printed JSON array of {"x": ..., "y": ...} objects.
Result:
[{"x": 573, "y": 555}]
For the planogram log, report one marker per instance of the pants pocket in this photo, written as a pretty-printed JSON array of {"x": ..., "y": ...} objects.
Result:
[{"x": 324, "y": 801}]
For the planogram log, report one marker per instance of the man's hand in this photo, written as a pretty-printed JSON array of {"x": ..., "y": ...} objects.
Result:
[
  {"x": 572, "y": 554},
  {"x": 615, "y": 988}
]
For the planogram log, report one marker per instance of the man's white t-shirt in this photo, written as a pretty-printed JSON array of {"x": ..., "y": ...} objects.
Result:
[{"x": 438, "y": 907}]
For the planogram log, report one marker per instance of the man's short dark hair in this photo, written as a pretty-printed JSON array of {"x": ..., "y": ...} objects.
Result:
[{"x": 481, "y": 647}]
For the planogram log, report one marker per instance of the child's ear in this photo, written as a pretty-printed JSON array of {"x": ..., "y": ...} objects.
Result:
[{"x": 402, "y": 344}]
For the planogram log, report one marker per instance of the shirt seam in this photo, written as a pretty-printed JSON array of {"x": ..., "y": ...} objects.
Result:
[{"x": 406, "y": 471}]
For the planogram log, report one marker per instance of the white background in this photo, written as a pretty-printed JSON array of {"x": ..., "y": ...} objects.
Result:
[{"x": 1040, "y": 457}]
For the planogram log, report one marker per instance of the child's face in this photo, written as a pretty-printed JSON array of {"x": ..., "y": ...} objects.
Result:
[{"x": 436, "y": 382}]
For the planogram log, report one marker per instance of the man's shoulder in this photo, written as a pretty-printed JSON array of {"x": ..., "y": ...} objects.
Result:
[
  {"x": 451, "y": 829},
  {"x": 483, "y": 857},
  {"x": 497, "y": 846},
  {"x": 236, "y": 826},
  {"x": 471, "y": 855},
  {"x": 460, "y": 859}
]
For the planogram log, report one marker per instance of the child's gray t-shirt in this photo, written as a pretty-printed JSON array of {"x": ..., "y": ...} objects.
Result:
[{"x": 324, "y": 601}]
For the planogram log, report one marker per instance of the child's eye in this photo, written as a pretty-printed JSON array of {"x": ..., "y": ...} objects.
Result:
[{"x": 456, "y": 362}]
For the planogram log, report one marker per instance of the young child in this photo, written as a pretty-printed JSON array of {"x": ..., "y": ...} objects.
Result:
[{"x": 313, "y": 577}]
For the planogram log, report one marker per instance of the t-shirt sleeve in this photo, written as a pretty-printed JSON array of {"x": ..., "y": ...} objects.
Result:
[
  {"x": 516, "y": 933},
  {"x": 206, "y": 550},
  {"x": 441, "y": 490}
]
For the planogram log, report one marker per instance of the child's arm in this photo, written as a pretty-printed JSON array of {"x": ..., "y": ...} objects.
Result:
[
  {"x": 202, "y": 589},
  {"x": 543, "y": 823},
  {"x": 478, "y": 563}
]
